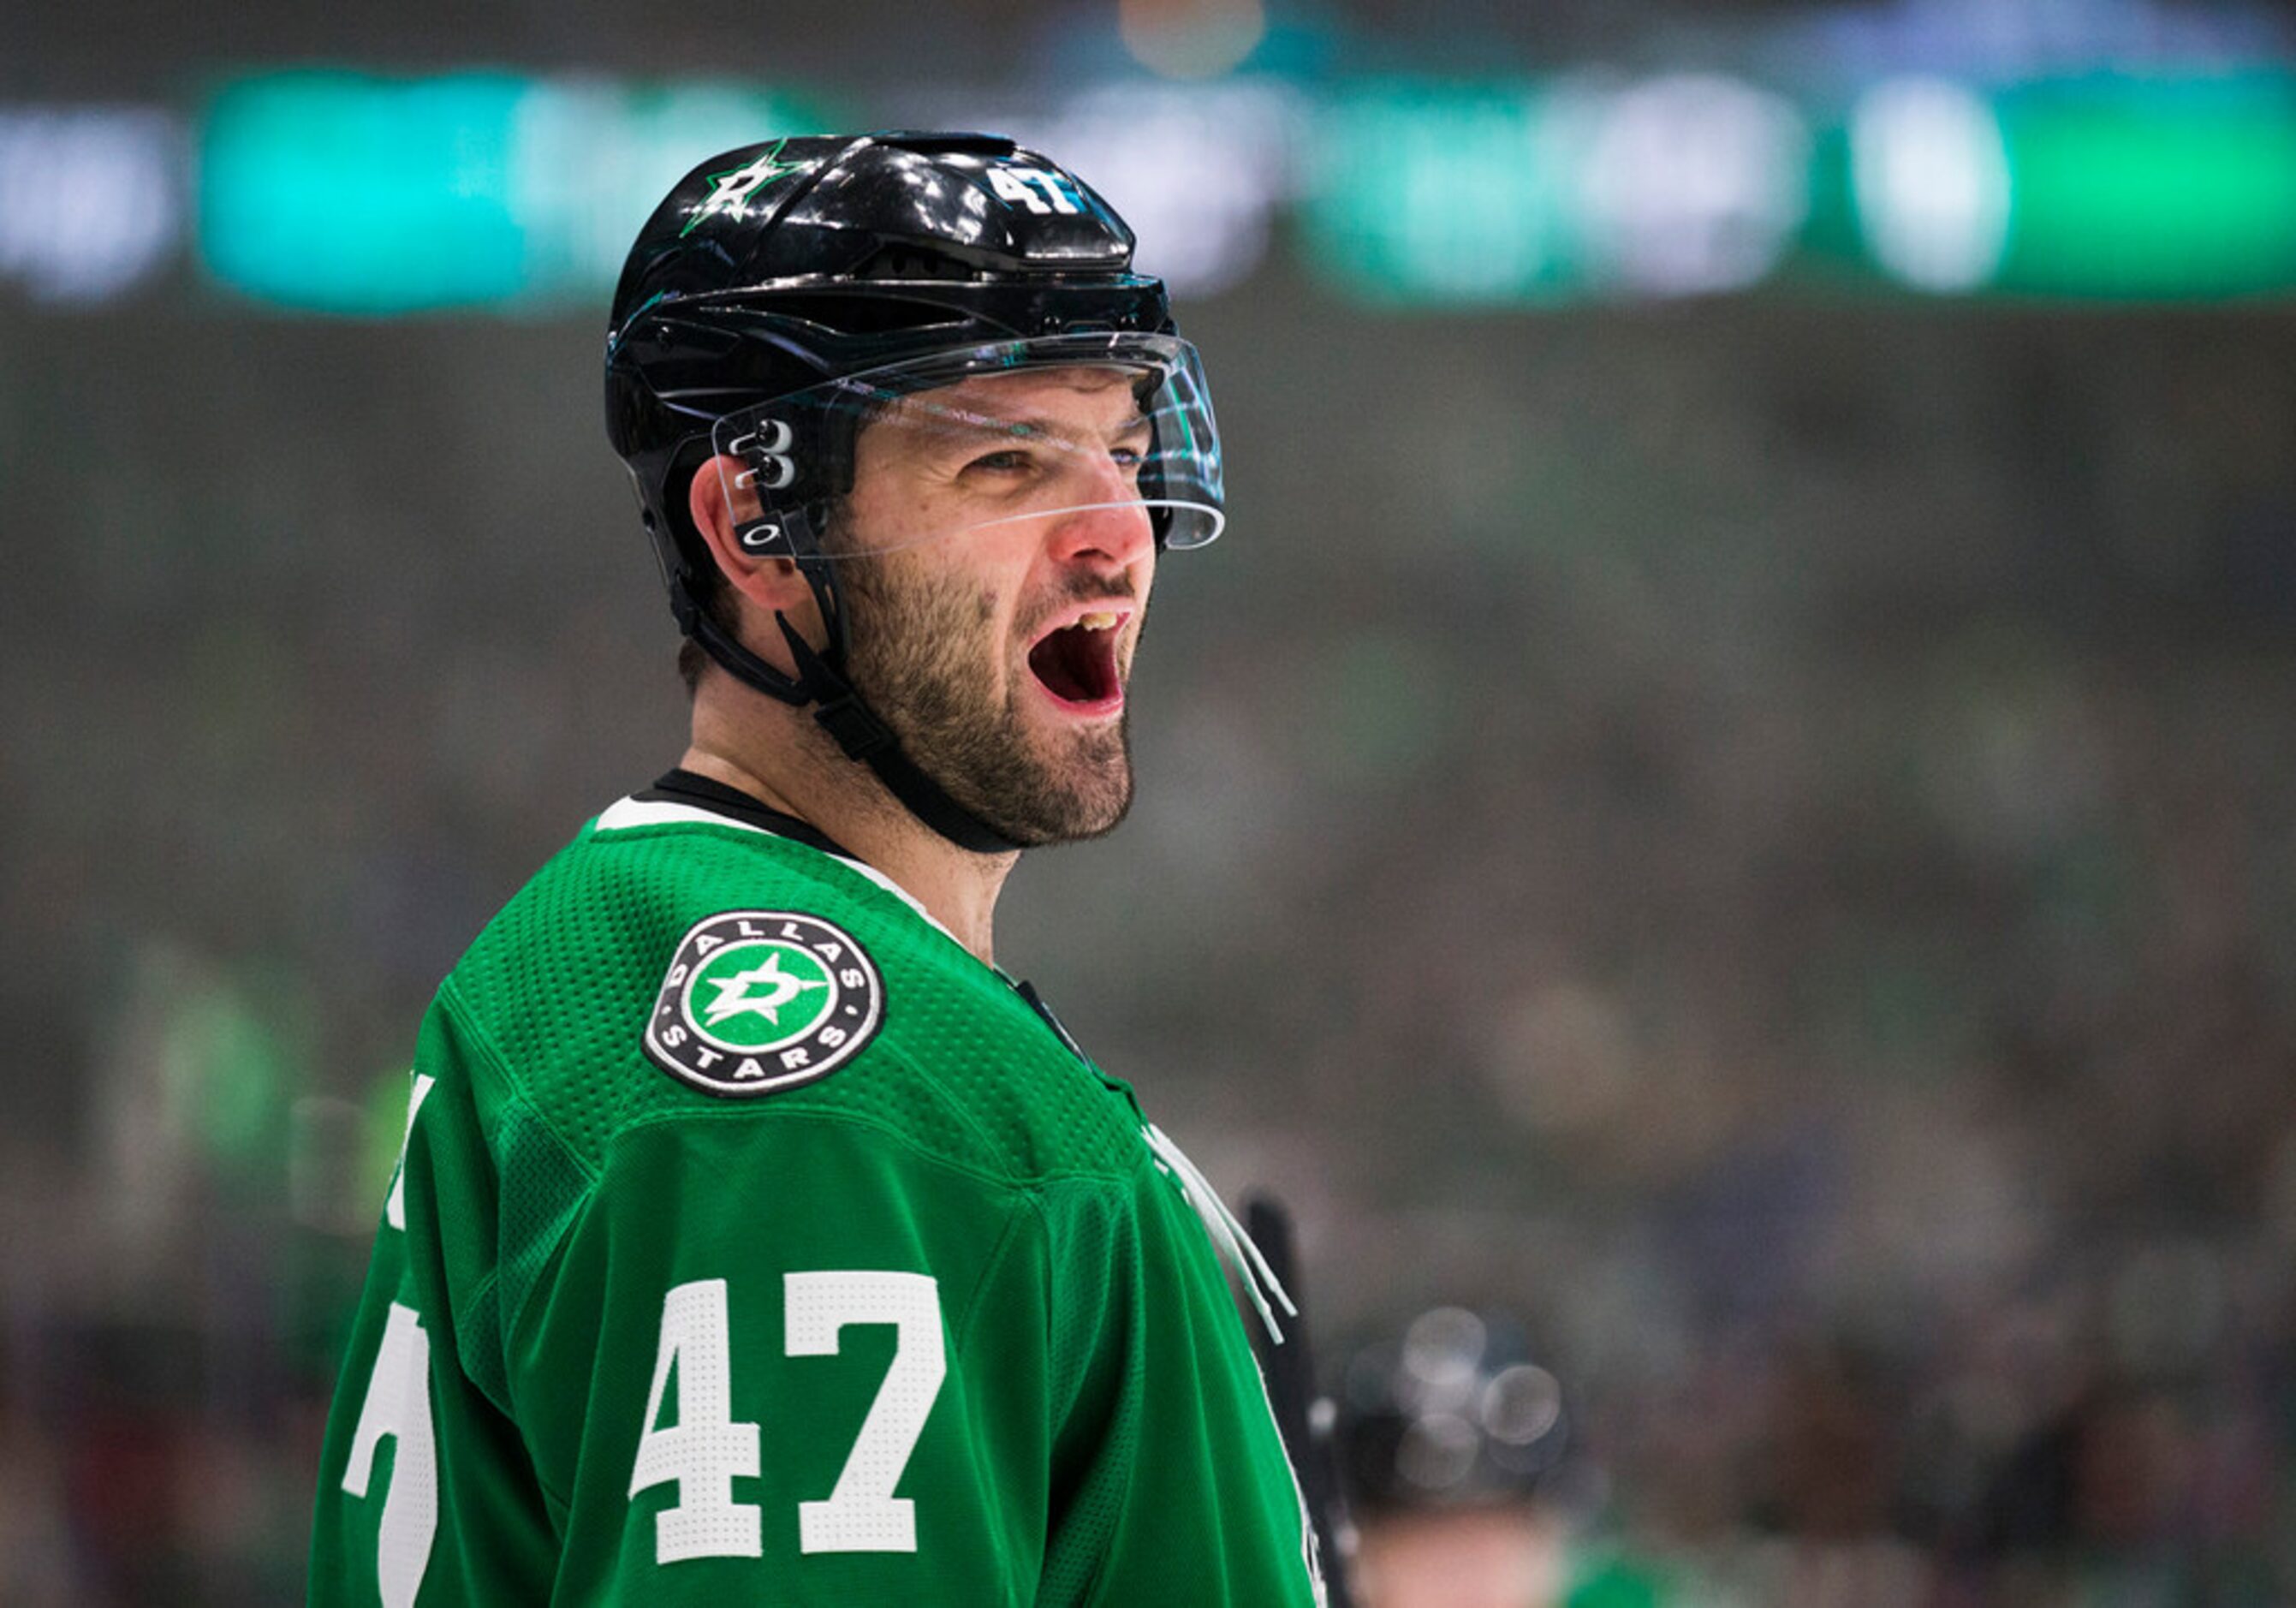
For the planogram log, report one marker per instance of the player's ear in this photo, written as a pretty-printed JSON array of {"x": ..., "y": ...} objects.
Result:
[{"x": 720, "y": 503}]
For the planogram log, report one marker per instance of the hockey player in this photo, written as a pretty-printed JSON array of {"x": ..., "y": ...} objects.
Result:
[{"x": 755, "y": 1238}]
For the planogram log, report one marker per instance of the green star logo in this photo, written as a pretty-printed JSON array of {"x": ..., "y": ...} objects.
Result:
[
  {"x": 735, "y": 186},
  {"x": 759, "y": 1000},
  {"x": 750, "y": 996}
]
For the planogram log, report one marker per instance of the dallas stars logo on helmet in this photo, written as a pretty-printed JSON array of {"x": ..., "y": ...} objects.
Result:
[
  {"x": 732, "y": 189},
  {"x": 759, "y": 1000}
]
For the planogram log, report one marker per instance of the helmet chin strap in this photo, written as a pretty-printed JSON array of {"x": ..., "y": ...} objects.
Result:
[{"x": 844, "y": 715}]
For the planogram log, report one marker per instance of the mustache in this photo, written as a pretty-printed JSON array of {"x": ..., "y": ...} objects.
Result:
[{"x": 1086, "y": 592}]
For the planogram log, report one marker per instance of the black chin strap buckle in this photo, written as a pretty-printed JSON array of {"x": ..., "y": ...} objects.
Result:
[
  {"x": 855, "y": 726},
  {"x": 840, "y": 711}
]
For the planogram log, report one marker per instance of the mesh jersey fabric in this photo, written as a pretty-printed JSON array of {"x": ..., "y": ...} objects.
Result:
[{"x": 935, "y": 1328}]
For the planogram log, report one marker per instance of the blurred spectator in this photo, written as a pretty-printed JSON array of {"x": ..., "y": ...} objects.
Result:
[{"x": 1444, "y": 1436}]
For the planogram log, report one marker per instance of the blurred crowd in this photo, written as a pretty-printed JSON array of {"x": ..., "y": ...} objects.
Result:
[{"x": 1758, "y": 841}]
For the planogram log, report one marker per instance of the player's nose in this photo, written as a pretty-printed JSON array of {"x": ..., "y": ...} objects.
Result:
[
  {"x": 1118, "y": 535},
  {"x": 1113, "y": 526}
]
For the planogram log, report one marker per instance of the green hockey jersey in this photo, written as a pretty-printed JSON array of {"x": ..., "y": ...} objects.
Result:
[{"x": 755, "y": 1242}]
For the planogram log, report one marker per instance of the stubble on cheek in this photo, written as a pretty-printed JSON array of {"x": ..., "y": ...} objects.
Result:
[
  {"x": 932, "y": 663},
  {"x": 936, "y": 657}
]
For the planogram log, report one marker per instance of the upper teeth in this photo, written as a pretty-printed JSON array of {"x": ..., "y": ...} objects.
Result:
[{"x": 1099, "y": 619}]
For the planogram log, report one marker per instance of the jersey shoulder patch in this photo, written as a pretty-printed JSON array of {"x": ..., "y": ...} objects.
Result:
[{"x": 757, "y": 1001}]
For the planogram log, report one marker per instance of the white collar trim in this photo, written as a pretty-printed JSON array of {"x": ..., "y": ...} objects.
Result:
[{"x": 628, "y": 813}]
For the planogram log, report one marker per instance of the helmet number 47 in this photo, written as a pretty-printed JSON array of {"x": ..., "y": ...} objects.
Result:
[{"x": 1012, "y": 184}]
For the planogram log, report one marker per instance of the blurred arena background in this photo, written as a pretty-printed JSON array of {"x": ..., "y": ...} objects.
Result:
[{"x": 1729, "y": 794}]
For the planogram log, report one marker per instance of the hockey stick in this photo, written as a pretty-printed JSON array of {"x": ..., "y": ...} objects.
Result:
[{"x": 1305, "y": 1418}]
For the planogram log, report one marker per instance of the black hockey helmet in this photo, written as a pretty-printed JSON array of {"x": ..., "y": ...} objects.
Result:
[{"x": 782, "y": 292}]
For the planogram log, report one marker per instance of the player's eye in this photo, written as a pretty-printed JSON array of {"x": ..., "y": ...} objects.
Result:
[{"x": 1007, "y": 460}]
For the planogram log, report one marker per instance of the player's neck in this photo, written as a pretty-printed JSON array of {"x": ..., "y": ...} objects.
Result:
[{"x": 818, "y": 785}]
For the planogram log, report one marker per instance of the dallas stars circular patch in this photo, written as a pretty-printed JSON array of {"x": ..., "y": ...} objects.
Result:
[{"x": 759, "y": 1000}]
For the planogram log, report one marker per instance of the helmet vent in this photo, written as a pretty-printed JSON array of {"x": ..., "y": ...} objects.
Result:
[
  {"x": 899, "y": 261},
  {"x": 864, "y": 315},
  {"x": 948, "y": 144}
]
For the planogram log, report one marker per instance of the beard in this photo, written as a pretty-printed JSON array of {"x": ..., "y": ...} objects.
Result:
[{"x": 921, "y": 655}]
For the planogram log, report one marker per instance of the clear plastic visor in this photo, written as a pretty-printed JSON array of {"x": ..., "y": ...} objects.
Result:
[{"x": 1105, "y": 439}]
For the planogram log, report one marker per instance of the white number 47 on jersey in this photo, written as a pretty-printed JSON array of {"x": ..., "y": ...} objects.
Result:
[{"x": 707, "y": 1449}]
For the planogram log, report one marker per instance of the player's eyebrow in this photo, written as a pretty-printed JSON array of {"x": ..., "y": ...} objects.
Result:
[{"x": 954, "y": 430}]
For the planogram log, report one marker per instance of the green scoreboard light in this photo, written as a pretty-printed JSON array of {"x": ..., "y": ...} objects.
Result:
[
  {"x": 351, "y": 192},
  {"x": 1591, "y": 185},
  {"x": 1445, "y": 193},
  {"x": 1533, "y": 194},
  {"x": 2106, "y": 188},
  {"x": 344, "y": 193},
  {"x": 348, "y": 193}
]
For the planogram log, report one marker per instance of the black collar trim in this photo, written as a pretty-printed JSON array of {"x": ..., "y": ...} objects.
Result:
[{"x": 682, "y": 786}]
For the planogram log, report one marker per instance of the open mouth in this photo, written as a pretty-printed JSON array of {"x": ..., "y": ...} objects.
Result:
[{"x": 1076, "y": 664}]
